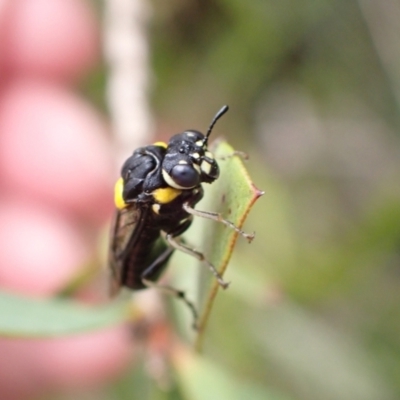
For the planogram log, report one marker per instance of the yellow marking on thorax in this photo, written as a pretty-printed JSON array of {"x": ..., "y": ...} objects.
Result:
[
  {"x": 118, "y": 194},
  {"x": 160, "y": 144},
  {"x": 166, "y": 195}
]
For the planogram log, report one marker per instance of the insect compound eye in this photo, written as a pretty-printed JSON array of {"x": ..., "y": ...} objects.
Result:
[{"x": 185, "y": 176}]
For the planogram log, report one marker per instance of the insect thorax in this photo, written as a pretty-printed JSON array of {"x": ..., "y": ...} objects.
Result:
[{"x": 167, "y": 174}]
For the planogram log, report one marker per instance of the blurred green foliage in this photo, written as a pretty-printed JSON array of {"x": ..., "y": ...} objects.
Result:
[{"x": 24, "y": 317}]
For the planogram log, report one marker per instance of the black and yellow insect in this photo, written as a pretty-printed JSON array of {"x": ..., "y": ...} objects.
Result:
[{"x": 155, "y": 198}]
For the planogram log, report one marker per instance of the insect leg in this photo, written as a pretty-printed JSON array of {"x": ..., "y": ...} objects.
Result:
[
  {"x": 180, "y": 246},
  {"x": 218, "y": 218},
  {"x": 176, "y": 293},
  {"x": 158, "y": 263}
]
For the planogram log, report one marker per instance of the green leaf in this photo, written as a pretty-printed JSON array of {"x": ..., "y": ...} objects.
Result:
[
  {"x": 202, "y": 379},
  {"x": 232, "y": 196},
  {"x": 28, "y": 317}
]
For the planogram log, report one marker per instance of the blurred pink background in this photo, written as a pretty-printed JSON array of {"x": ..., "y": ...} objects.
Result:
[{"x": 56, "y": 186}]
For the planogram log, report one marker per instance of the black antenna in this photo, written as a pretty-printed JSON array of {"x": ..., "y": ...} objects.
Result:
[{"x": 218, "y": 115}]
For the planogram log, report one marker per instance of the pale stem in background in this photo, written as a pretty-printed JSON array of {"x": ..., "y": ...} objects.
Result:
[{"x": 126, "y": 49}]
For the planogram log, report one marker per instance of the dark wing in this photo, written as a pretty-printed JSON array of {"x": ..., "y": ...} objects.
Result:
[{"x": 126, "y": 228}]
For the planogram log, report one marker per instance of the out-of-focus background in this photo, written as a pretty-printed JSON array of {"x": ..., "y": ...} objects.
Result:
[
  {"x": 314, "y": 89},
  {"x": 313, "y": 312}
]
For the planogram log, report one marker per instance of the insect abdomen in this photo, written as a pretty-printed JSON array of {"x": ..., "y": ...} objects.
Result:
[{"x": 149, "y": 254}]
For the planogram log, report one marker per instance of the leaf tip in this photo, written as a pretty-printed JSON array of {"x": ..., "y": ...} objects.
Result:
[{"x": 257, "y": 192}]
